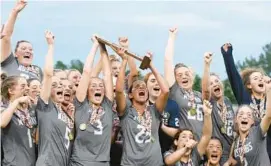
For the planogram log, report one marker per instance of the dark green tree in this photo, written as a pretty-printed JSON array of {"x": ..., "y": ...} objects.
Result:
[
  {"x": 60, "y": 65},
  {"x": 263, "y": 61},
  {"x": 197, "y": 83}
]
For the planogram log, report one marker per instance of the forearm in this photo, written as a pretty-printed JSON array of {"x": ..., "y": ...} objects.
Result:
[
  {"x": 206, "y": 82},
  {"x": 175, "y": 156},
  {"x": 121, "y": 77},
  {"x": 6, "y": 115},
  {"x": 98, "y": 68},
  {"x": 49, "y": 61},
  {"x": 90, "y": 58},
  {"x": 207, "y": 127},
  {"x": 107, "y": 75},
  {"x": 9, "y": 26},
  {"x": 168, "y": 65},
  {"x": 169, "y": 130}
]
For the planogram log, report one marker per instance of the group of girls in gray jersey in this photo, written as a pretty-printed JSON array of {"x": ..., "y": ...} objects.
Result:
[{"x": 54, "y": 117}]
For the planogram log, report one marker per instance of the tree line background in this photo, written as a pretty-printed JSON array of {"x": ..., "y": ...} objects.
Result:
[{"x": 263, "y": 61}]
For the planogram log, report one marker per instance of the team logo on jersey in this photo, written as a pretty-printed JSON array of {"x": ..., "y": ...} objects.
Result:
[{"x": 248, "y": 147}]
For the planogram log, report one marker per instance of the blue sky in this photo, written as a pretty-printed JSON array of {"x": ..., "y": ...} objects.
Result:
[{"x": 203, "y": 26}]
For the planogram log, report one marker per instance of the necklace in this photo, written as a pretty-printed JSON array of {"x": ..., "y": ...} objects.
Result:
[
  {"x": 145, "y": 118},
  {"x": 259, "y": 111}
]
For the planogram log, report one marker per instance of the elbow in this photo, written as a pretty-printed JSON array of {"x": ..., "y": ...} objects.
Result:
[
  {"x": 3, "y": 125},
  {"x": 168, "y": 161}
]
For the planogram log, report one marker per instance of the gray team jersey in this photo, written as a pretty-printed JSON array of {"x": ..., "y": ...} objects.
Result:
[
  {"x": 140, "y": 147},
  {"x": 92, "y": 144},
  {"x": 193, "y": 122},
  {"x": 223, "y": 131},
  {"x": 12, "y": 67},
  {"x": 195, "y": 158},
  {"x": 255, "y": 149},
  {"x": 17, "y": 142},
  {"x": 54, "y": 143}
]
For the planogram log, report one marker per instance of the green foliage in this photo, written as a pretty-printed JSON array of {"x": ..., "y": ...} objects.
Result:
[
  {"x": 263, "y": 61},
  {"x": 74, "y": 64},
  {"x": 197, "y": 83}
]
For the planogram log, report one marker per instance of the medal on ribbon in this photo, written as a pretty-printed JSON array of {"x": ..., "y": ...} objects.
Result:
[
  {"x": 193, "y": 111},
  {"x": 83, "y": 126},
  {"x": 70, "y": 136}
]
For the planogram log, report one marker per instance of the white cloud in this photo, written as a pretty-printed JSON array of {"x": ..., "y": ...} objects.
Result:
[{"x": 185, "y": 20}]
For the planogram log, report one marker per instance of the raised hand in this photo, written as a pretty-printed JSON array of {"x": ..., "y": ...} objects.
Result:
[
  {"x": 124, "y": 42},
  {"x": 226, "y": 48},
  {"x": 20, "y": 5},
  {"x": 208, "y": 58},
  {"x": 173, "y": 31},
  {"x": 207, "y": 107},
  {"x": 190, "y": 144},
  {"x": 49, "y": 37},
  {"x": 25, "y": 100},
  {"x": 121, "y": 52},
  {"x": 94, "y": 39}
]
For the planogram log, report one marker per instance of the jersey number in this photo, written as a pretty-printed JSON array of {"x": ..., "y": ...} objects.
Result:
[
  {"x": 30, "y": 141},
  {"x": 67, "y": 139},
  {"x": 139, "y": 138},
  {"x": 99, "y": 128},
  {"x": 198, "y": 116}
]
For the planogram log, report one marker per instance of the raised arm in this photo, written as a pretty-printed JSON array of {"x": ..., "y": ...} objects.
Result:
[
  {"x": 206, "y": 92},
  {"x": 124, "y": 42},
  {"x": 97, "y": 68},
  {"x": 266, "y": 121},
  {"x": 107, "y": 73},
  {"x": 238, "y": 88},
  {"x": 7, "y": 113},
  {"x": 168, "y": 66},
  {"x": 161, "y": 101},
  {"x": 120, "y": 97},
  {"x": 48, "y": 69},
  {"x": 206, "y": 129},
  {"x": 8, "y": 29},
  {"x": 81, "y": 91}
]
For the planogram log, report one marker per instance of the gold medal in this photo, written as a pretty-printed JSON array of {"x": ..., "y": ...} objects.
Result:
[
  {"x": 83, "y": 126},
  {"x": 70, "y": 136},
  {"x": 193, "y": 111},
  {"x": 223, "y": 130}
]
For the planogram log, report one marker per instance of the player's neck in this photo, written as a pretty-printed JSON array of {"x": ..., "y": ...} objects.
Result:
[
  {"x": 220, "y": 100},
  {"x": 152, "y": 99},
  {"x": 139, "y": 107},
  {"x": 243, "y": 135},
  {"x": 257, "y": 95}
]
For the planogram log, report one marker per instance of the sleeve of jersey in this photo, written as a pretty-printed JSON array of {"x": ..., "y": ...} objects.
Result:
[
  {"x": 234, "y": 77},
  {"x": 42, "y": 106},
  {"x": 258, "y": 133},
  {"x": 79, "y": 104},
  {"x": 128, "y": 105},
  {"x": 173, "y": 109},
  {"x": 9, "y": 60}
]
